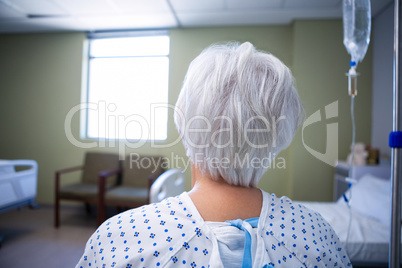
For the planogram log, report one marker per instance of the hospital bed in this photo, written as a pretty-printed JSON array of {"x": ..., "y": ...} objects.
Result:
[
  {"x": 362, "y": 218},
  {"x": 18, "y": 183},
  {"x": 170, "y": 183},
  {"x": 18, "y": 180}
]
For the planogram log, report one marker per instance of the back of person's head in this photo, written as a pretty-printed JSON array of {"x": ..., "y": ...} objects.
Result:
[{"x": 236, "y": 111}]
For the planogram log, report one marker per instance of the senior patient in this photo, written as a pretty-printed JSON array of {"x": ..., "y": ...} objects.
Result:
[{"x": 237, "y": 109}]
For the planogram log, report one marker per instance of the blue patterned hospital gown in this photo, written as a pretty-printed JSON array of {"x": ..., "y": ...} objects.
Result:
[{"x": 173, "y": 234}]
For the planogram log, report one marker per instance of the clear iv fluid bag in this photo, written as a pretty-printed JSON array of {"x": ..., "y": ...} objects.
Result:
[{"x": 356, "y": 28}]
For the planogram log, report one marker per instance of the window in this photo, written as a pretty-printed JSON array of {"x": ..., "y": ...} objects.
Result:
[{"x": 127, "y": 87}]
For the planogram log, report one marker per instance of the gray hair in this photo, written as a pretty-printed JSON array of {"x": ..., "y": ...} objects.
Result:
[{"x": 236, "y": 111}]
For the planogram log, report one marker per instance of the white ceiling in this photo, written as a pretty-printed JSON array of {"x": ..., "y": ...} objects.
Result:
[{"x": 18, "y": 16}]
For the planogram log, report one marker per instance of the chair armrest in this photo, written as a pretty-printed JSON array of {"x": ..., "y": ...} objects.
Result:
[
  {"x": 62, "y": 171},
  {"x": 101, "y": 191},
  {"x": 108, "y": 173},
  {"x": 103, "y": 175}
]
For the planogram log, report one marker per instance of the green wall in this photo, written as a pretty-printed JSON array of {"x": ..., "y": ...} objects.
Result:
[
  {"x": 320, "y": 62},
  {"x": 41, "y": 77}
]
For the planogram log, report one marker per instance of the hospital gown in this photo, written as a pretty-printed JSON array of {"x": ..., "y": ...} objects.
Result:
[{"x": 173, "y": 234}]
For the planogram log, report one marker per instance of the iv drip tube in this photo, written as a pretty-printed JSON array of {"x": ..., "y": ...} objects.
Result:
[
  {"x": 350, "y": 175},
  {"x": 352, "y": 116},
  {"x": 395, "y": 236}
]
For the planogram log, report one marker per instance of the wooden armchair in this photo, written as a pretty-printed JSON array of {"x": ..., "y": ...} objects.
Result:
[
  {"x": 87, "y": 189},
  {"x": 136, "y": 181}
]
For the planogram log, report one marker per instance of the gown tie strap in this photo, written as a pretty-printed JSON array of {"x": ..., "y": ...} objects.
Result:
[{"x": 246, "y": 226}]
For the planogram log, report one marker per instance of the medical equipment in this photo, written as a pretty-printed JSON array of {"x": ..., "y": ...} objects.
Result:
[
  {"x": 395, "y": 142},
  {"x": 170, "y": 183},
  {"x": 356, "y": 36},
  {"x": 18, "y": 183}
]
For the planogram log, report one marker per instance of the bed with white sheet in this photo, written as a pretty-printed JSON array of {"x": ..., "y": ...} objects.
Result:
[{"x": 368, "y": 217}]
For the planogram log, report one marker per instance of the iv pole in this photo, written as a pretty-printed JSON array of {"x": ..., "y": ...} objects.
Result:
[{"x": 395, "y": 144}]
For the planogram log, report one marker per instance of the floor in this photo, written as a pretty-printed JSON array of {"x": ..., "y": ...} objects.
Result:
[{"x": 30, "y": 240}]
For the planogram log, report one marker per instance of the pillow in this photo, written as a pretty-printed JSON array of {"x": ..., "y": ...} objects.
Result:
[{"x": 371, "y": 196}]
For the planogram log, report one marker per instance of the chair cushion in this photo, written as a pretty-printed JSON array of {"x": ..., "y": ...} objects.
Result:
[
  {"x": 127, "y": 194},
  {"x": 79, "y": 190}
]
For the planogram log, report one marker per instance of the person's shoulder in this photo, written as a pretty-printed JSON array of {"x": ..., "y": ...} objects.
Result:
[
  {"x": 171, "y": 208},
  {"x": 152, "y": 235},
  {"x": 303, "y": 232},
  {"x": 284, "y": 209}
]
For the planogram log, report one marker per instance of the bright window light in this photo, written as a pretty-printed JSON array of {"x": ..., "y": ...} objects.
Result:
[{"x": 128, "y": 88}]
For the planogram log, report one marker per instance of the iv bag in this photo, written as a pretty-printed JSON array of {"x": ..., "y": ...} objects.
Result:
[{"x": 356, "y": 28}]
